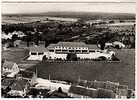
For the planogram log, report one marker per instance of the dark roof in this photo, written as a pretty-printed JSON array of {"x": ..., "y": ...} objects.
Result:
[
  {"x": 7, "y": 82},
  {"x": 38, "y": 49},
  {"x": 8, "y": 64},
  {"x": 72, "y": 44},
  {"x": 99, "y": 84},
  {"x": 19, "y": 84},
  {"x": 83, "y": 91},
  {"x": 105, "y": 93},
  {"x": 5, "y": 73},
  {"x": 123, "y": 87},
  {"x": 26, "y": 74}
]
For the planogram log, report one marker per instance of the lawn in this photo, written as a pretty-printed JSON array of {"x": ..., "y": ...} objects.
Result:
[
  {"x": 122, "y": 72},
  {"x": 15, "y": 54}
]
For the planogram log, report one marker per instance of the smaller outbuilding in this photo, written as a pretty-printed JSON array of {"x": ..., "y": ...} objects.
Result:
[{"x": 9, "y": 69}]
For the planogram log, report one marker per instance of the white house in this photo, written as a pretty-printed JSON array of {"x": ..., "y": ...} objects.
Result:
[
  {"x": 9, "y": 69},
  {"x": 61, "y": 50},
  {"x": 37, "y": 53}
]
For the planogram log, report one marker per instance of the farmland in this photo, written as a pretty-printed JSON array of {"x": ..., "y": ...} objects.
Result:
[
  {"x": 26, "y": 18},
  {"x": 122, "y": 72}
]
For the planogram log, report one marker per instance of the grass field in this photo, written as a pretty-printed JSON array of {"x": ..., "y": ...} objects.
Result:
[
  {"x": 122, "y": 72},
  {"x": 14, "y": 54}
]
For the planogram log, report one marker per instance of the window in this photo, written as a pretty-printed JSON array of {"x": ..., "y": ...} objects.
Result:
[
  {"x": 78, "y": 50},
  {"x": 98, "y": 51},
  {"x": 64, "y": 50},
  {"x": 91, "y": 50},
  {"x": 84, "y": 50},
  {"x": 71, "y": 50},
  {"x": 40, "y": 53},
  {"x": 51, "y": 50},
  {"x": 33, "y": 53},
  {"x": 58, "y": 50}
]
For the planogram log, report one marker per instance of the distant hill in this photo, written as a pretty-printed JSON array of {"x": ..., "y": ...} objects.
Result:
[{"x": 83, "y": 15}]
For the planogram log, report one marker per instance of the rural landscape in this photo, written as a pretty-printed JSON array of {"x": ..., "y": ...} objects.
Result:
[{"x": 68, "y": 55}]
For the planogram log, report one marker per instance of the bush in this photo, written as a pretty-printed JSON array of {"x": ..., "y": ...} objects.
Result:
[
  {"x": 117, "y": 47},
  {"x": 114, "y": 58},
  {"x": 72, "y": 57},
  {"x": 44, "y": 58}
]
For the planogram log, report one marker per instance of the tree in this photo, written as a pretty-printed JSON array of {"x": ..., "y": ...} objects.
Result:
[
  {"x": 44, "y": 58},
  {"x": 60, "y": 90},
  {"x": 28, "y": 37},
  {"x": 36, "y": 38},
  {"x": 14, "y": 37},
  {"x": 102, "y": 43},
  {"x": 48, "y": 36}
]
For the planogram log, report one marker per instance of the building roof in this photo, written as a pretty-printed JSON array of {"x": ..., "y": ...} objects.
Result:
[
  {"x": 19, "y": 85},
  {"x": 57, "y": 94},
  {"x": 38, "y": 49},
  {"x": 8, "y": 64},
  {"x": 123, "y": 87},
  {"x": 93, "y": 46},
  {"x": 51, "y": 46},
  {"x": 72, "y": 44},
  {"x": 6, "y": 82},
  {"x": 83, "y": 91},
  {"x": 105, "y": 93},
  {"x": 122, "y": 24}
]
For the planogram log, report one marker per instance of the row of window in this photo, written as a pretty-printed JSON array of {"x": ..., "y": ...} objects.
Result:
[
  {"x": 71, "y": 51},
  {"x": 77, "y": 51},
  {"x": 35, "y": 53},
  {"x": 58, "y": 47}
]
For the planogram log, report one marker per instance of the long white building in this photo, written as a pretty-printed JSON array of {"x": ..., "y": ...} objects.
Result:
[{"x": 62, "y": 49}]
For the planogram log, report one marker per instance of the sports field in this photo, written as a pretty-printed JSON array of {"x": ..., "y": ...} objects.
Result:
[{"x": 122, "y": 72}]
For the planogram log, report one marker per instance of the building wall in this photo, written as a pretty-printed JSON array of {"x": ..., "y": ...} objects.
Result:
[
  {"x": 35, "y": 57},
  {"x": 93, "y": 55},
  {"x": 63, "y": 56},
  {"x": 53, "y": 55}
]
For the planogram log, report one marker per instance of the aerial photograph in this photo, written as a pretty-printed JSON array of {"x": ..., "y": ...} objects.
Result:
[{"x": 68, "y": 50}]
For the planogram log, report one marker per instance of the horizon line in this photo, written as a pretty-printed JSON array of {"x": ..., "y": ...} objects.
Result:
[{"x": 65, "y": 12}]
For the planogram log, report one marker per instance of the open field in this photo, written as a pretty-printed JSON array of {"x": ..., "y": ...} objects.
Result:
[
  {"x": 122, "y": 72},
  {"x": 14, "y": 54},
  {"x": 26, "y": 18}
]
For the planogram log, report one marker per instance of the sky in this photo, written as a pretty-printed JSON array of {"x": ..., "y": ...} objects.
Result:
[
  {"x": 15, "y": 8},
  {"x": 75, "y": 0}
]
